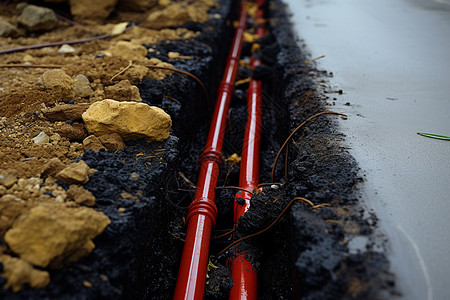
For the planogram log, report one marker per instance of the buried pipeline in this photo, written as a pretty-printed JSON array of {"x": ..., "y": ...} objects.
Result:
[{"x": 202, "y": 212}]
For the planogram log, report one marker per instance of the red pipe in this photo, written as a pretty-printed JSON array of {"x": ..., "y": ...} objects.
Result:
[
  {"x": 242, "y": 272},
  {"x": 202, "y": 212}
]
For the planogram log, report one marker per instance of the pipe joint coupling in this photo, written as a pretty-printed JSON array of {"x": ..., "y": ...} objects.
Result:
[
  {"x": 206, "y": 208},
  {"x": 214, "y": 156}
]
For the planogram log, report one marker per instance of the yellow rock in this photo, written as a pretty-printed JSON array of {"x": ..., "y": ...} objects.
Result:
[
  {"x": 18, "y": 272},
  {"x": 75, "y": 173},
  {"x": 55, "y": 235},
  {"x": 131, "y": 120},
  {"x": 128, "y": 50}
]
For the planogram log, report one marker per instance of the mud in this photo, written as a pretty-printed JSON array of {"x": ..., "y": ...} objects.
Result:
[{"x": 306, "y": 255}]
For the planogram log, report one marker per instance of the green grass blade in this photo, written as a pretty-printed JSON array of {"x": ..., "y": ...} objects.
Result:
[{"x": 435, "y": 136}]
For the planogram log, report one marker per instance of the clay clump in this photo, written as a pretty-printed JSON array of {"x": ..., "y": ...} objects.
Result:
[{"x": 75, "y": 173}]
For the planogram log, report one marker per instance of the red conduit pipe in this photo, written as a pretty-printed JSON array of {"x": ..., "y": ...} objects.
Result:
[
  {"x": 242, "y": 272},
  {"x": 202, "y": 212}
]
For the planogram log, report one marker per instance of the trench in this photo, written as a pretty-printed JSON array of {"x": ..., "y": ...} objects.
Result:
[{"x": 304, "y": 256}]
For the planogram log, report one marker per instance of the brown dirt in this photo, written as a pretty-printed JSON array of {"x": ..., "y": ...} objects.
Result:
[{"x": 23, "y": 97}]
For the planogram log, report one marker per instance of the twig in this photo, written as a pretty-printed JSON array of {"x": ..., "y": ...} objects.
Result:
[
  {"x": 171, "y": 98},
  {"x": 29, "y": 66},
  {"x": 295, "y": 130},
  {"x": 186, "y": 179},
  {"x": 130, "y": 63},
  {"x": 208, "y": 102},
  {"x": 242, "y": 81},
  {"x": 23, "y": 48},
  {"x": 314, "y": 59}
]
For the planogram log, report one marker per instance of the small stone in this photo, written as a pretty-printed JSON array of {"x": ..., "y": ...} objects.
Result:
[
  {"x": 66, "y": 49},
  {"x": 119, "y": 28},
  {"x": 131, "y": 120},
  {"x": 80, "y": 195},
  {"x": 75, "y": 173},
  {"x": 7, "y": 179},
  {"x": 7, "y": 29},
  {"x": 134, "y": 176},
  {"x": 121, "y": 210},
  {"x": 112, "y": 142},
  {"x": 19, "y": 272},
  {"x": 59, "y": 199},
  {"x": 55, "y": 235},
  {"x": 58, "y": 83},
  {"x": 123, "y": 91},
  {"x": 128, "y": 196},
  {"x": 36, "y": 18},
  {"x": 173, "y": 54},
  {"x": 65, "y": 112},
  {"x": 27, "y": 58},
  {"x": 128, "y": 50},
  {"x": 92, "y": 142},
  {"x": 87, "y": 284},
  {"x": 41, "y": 138},
  {"x": 29, "y": 183},
  {"x": 81, "y": 86}
]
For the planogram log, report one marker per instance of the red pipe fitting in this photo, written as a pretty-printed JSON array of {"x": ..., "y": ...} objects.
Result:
[{"x": 202, "y": 211}]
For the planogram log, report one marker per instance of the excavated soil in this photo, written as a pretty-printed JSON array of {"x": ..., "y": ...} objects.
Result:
[{"x": 145, "y": 188}]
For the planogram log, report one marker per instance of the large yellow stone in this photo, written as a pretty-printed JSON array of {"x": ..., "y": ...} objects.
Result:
[
  {"x": 131, "y": 120},
  {"x": 18, "y": 272},
  {"x": 55, "y": 235}
]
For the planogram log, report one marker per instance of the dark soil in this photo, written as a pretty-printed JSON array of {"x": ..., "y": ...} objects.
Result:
[{"x": 304, "y": 256}]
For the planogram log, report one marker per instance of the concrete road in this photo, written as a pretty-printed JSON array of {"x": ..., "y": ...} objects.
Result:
[{"x": 392, "y": 60}]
